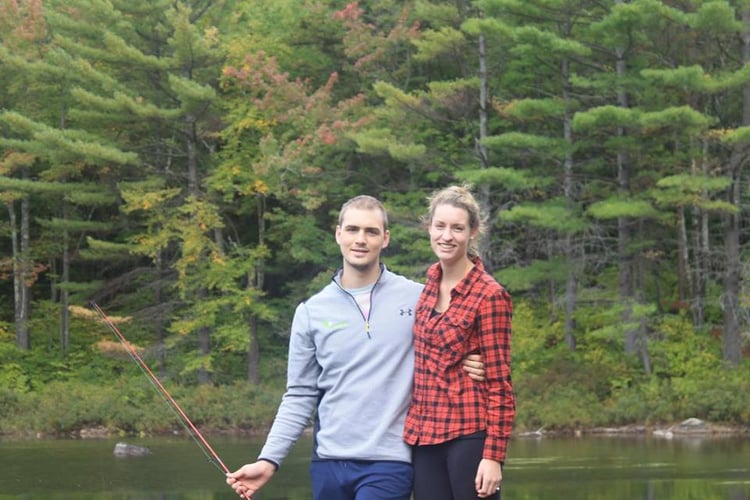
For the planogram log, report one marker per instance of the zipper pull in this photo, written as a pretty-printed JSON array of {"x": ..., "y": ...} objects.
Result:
[{"x": 367, "y": 329}]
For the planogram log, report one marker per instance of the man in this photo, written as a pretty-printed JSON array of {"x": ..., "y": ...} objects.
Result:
[{"x": 351, "y": 358}]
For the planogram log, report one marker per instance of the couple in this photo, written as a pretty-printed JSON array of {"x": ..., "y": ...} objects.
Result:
[{"x": 380, "y": 358}]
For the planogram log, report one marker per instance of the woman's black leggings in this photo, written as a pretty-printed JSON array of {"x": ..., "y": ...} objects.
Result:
[{"x": 446, "y": 471}]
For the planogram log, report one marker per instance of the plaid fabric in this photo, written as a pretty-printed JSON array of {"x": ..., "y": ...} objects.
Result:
[{"x": 446, "y": 403}]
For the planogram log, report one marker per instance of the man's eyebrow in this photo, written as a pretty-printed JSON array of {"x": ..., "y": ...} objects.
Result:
[{"x": 351, "y": 227}]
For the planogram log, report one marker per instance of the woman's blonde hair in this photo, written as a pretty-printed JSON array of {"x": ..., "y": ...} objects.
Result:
[{"x": 459, "y": 197}]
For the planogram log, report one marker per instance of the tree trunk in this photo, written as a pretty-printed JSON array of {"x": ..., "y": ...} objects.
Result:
[
  {"x": 732, "y": 342},
  {"x": 253, "y": 351},
  {"x": 204, "y": 334},
  {"x": 20, "y": 273},
  {"x": 701, "y": 250},
  {"x": 684, "y": 288},
  {"x": 64, "y": 279},
  {"x": 483, "y": 192},
  {"x": 642, "y": 336},
  {"x": 623, "y": 223},
  {"x": 161, "y": 346},
  {"x": 571, "y": 253}
]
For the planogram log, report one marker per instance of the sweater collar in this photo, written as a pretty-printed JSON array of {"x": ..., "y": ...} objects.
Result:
[{"x": 336, "y": 278}]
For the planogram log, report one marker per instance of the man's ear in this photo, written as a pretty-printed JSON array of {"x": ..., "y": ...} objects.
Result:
[
  {"x": 386, "y": 239},
  {"x": 337, "y": 233}
]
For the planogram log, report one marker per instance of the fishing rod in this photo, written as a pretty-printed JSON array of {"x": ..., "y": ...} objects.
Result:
[{"x": 192, "y": 430}]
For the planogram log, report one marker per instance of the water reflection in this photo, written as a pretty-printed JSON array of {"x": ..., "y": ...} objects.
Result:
[
  {"x": 629, "y": 468},
  {"x": 571, "y": 468}
]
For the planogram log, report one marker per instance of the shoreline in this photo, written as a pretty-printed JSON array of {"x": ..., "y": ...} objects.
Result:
[{"x": 689, "y": 428}]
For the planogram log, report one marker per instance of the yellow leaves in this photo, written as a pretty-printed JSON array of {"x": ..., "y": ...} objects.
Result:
[
  {"x": 218, "y": 258},
  {"x": 139, "y": 199},
  {"x": 246, "y": 123},
  {"x": 718, "y": 133},
  {"x": 112, "y": 349},
  {"x": 253, "y": 123},
  {"x": 256, "y": 187},
  {"x": 311, "y": 170},
  {"x": 15, "y": 160},
  {"x": 88, "y": 314},
  {"x": 211, "y": 35}
]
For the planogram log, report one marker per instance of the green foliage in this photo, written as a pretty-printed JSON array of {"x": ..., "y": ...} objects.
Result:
[
  {"x": 534, "y": 340},
  {"x": 524, "y": 142},
  {"x": 566, "y": 394},
  {"x": 132, "y": 406},
  {"x": 716, "y": 18},
  {"x": 555, "y": 214},
  {"x": 185, "y": 165},
  {"x": 506, "y": 178},
  {"x": 693, "y": 190},
  {"x": 523, "y": 278},
  {"x": 12, "y": 377},
  {"x": 438, "y": 43},
  {"x": 595, "y": 387},
  {"x": 613, "y": 208}
]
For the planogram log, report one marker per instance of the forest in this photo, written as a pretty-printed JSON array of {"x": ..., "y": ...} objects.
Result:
[{"x": 181, "y": 164}]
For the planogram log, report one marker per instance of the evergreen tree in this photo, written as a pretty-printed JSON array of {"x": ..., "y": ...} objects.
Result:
[{"x": 60, "y": 159}]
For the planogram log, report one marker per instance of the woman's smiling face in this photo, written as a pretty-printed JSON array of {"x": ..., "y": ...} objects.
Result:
[{"x": 450, "y": 233}]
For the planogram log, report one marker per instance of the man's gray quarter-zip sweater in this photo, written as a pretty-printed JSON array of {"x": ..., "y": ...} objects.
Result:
[{"x": 355, "y": 371}]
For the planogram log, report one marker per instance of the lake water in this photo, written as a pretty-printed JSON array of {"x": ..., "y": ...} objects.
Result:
[{"x": 588, "y": 468}]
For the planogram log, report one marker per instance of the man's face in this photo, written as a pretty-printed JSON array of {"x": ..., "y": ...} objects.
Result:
[{"x": 362, "y": 236}]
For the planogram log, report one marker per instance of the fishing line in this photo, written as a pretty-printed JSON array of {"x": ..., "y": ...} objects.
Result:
[{"x": 182, "y": 417}]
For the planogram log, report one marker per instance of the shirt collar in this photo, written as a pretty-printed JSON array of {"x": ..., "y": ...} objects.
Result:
[{"x": 464, "y": 286}]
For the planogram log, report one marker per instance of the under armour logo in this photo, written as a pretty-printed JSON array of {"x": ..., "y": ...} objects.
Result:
[{"x": 406, "y": 312}]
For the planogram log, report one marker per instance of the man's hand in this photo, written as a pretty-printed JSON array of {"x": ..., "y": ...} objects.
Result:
[
  {"x": 250, "y": 478},
  {"x": 474, "y": 367}
]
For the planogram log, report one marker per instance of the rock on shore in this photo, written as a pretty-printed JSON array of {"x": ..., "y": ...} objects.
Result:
[{"x": 130, "y": 450}]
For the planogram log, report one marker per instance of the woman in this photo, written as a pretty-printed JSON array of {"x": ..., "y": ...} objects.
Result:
[{"x": 458, "y": 428}]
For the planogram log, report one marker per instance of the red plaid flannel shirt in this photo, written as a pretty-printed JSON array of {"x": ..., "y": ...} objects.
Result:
[{"x": 446, "y": 403}]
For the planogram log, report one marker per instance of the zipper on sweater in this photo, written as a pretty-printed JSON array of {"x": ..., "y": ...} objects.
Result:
[{"x": 369, "y": 312}]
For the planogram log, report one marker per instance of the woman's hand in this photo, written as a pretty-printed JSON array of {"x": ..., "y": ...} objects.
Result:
[{"x": 488, "y": 479}]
